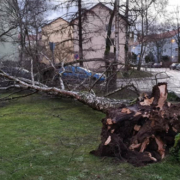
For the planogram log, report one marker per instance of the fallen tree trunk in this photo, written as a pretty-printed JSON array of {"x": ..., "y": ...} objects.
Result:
[
  {"x": 138, "y": 134},
  {"x": 98, "y": 103},
  {"x": 142, "y": 133}
]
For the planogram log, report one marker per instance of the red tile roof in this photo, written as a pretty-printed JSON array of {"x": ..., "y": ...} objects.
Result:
[{"x": 155, "y": 37}]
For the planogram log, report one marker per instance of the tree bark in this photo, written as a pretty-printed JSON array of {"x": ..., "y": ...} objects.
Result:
[
  {"x": 111, "y": 65},
  {"x": 127, "y": 36},
  {"x": 117, "y": 32},
  {"x": 80, "y": 32},
  {"x": 178, "y": 54},
  {"x": 98, "y": 103}
]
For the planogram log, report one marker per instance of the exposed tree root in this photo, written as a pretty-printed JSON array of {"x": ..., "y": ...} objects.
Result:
[{"x": 142, "y": 133}]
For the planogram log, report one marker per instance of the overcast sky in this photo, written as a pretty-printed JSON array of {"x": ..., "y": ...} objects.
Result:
[
  {"x": 53, "y": 15},
  {"x": 174, "y": 2}
]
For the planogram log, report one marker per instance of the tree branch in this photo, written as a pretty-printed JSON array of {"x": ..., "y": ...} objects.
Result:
[{"x": 97, "y": 103}]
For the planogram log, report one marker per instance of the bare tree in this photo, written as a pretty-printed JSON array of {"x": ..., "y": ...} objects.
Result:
[
  {"x": 78, "y": 20},
  {"x": 157, "y": 40},
  {"x": 117, "y": 32},
  {"x": 127, "y": 35},
  {"x": 148, "y": 11},
  {"x": 176, "y": 27},
  {"x": 30, "y": 22},
  {"x": 22, "y": 22},
  {"x": 8, "y": 25},
  {"x": 80, "y": 31},
  {"x": 117, "y": 19}
]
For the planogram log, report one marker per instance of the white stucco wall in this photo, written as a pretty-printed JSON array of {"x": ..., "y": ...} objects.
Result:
[{"x": 95, "y": 30}]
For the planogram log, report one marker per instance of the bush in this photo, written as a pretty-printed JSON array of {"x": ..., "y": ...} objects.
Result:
[
  {"x": 149, "y": 58},
  {"x": 165, "y": 58},
  {"x": 132, "y": 57},
  {"x": 172, "y": 96},
  {"x": 175, "y": 150}
]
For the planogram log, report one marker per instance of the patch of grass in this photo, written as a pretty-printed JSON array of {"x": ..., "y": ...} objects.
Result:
[
  {"x": 172, "y": 96},
  {"x": 133, "y": 74},
  {"x": 50, "y": 139}
]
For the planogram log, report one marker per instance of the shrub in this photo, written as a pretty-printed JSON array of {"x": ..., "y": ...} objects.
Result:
[
  {"x": 132, "y": 57},
  {"x": 166, "y": 61},
  {"x": 165, "y": 58},
  {"x": 172, "y": 96},
  {"x": 175, "y": 150},
  {"x": 149, "y": 58}
]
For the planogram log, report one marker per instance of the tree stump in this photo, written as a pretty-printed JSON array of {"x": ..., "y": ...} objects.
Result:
[{"x": 142, "y": 133}]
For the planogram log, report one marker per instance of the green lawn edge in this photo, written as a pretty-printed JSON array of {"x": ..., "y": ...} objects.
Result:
[{"x": 50, "y": 139}]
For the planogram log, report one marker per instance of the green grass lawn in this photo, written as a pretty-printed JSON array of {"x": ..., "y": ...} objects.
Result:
[{"x": 50, "y": 139}]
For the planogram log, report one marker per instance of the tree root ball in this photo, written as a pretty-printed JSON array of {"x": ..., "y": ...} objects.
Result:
[{"x": 142, "y": 133}]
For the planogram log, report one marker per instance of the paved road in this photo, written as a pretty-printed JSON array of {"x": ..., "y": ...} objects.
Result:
[{"x": 172, "y": 77}]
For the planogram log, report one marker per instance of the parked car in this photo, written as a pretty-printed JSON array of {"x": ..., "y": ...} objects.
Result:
[
  {"x": 173, "y": 66},
  {"x": 80, "y": 73},
  {"x": 178, "y": 67},
  {"x": 157, "y": 65}
]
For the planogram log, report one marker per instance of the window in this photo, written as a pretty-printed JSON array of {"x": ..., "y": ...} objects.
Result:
[
  {"x": 176, "y": 49},
  {"x": 164, "y": 50}
]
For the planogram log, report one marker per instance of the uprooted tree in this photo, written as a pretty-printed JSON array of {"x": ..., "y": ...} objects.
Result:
[
  {"x": 142, "y": 133},
  {"x": 139, "y": 134}
]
